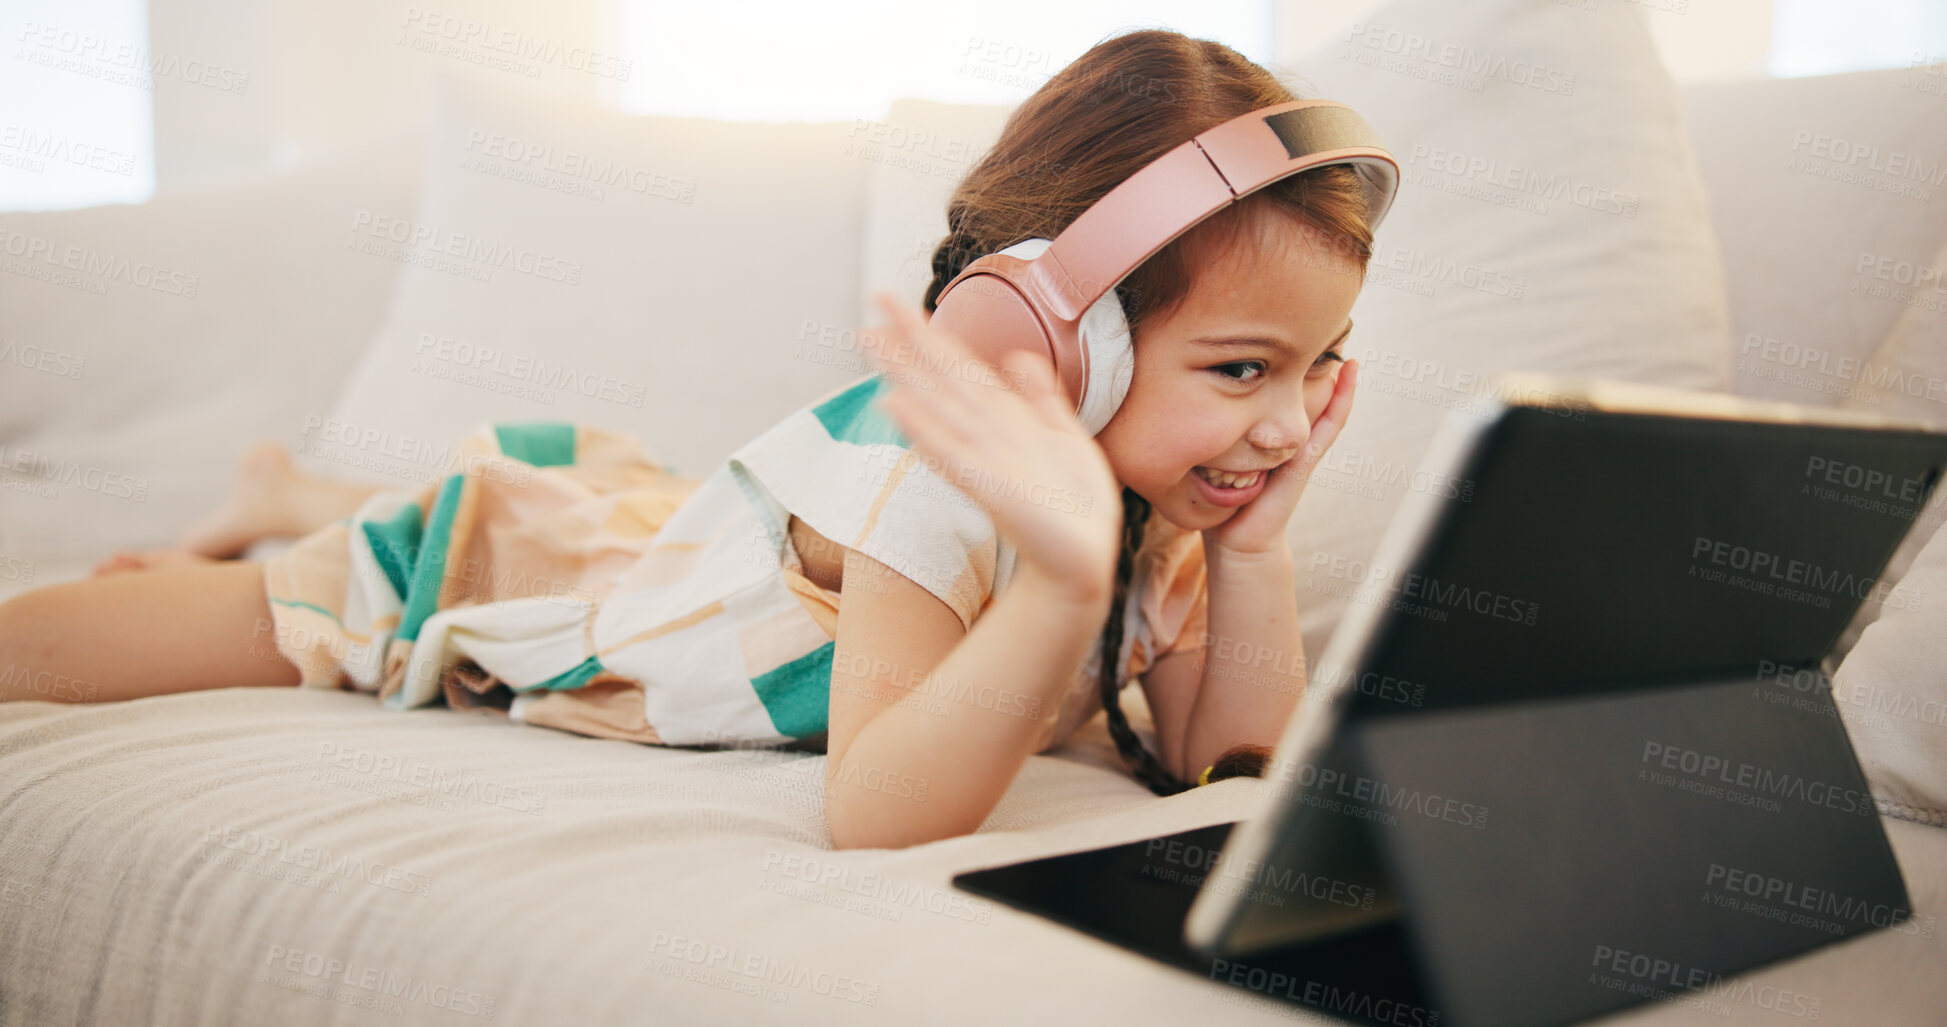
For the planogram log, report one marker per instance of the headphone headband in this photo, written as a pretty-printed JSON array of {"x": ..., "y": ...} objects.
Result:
[{"x": 1208, "y": 172}]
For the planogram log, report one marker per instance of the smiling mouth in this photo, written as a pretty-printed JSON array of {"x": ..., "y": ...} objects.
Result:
[{"x": 1224, "y": 480}]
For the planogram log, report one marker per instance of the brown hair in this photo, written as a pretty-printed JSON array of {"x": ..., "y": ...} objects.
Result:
[{"x": 1131, "y": 98}]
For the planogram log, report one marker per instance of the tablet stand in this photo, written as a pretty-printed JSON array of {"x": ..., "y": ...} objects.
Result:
[{"x": 1551, "y": 861}]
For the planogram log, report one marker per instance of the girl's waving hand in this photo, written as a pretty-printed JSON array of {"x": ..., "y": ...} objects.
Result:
[{"x": 1008, "y": 438}]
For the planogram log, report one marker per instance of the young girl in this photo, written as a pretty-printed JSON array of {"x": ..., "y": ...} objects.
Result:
[{"x": 827, "y": 586}]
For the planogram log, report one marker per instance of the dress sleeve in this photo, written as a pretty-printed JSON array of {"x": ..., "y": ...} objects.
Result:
[{"x": 841, "y": 466}]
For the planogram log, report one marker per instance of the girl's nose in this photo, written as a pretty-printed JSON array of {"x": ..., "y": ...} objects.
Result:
[{"x": 1281, "y": 432}]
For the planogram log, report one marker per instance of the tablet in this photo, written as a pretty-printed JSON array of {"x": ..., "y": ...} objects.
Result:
[{"x": 1574, "y": 538}]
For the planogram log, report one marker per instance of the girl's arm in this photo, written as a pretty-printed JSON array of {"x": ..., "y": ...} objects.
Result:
[
  {"x": 929, "y": 724},
  {"x": 1251, "y": 673}
]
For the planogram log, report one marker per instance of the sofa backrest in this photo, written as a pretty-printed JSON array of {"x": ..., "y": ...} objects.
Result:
[
  {"x": 156, "y": 340},
  {"x": 145, "y": 345}
]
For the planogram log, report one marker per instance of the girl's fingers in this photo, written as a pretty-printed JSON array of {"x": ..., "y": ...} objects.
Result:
[
  {"x": 1347, "y": 388},
  {"x": 1040, "y": 389},
  {"x": 955, "y": 360},
  {"x": 875, "y": 342},
  {"x": 894, "y": 344},
  {"x": 882, "y": 343},
  {"x": 943, "y": 417},
  {"x": 952, "y": 399},
  {"x": 934, "y": 360},
  {"x": 930, "y": 434},
  {"x": 1332, "y": 420},
  {"x": 891, "y": 351},
  {"x": 895, "y": 309},
  {"x": 1019, "y": 370},
  {"x": 1030, "y": 371},
  {"x": 946, "y": 409},
  {"x": 946, "y": 454}
]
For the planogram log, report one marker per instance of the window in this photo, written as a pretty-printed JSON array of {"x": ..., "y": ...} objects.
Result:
[
  {"x": 76, "y": 123},
  {"x": 1819, "y": 37},
  {"x": 779, "y": 60}
]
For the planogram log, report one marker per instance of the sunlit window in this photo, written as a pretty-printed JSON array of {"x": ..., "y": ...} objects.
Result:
[
  {"x": 779, "y": 60},
  {"x": 77, "y": 125},
  {"x": 1819, "y": 37}
]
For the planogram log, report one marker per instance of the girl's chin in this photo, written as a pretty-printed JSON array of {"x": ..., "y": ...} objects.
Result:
[
  {"x": 1186, "y": 511},
  {"x": 1189, "y": 513},
  {"x": 1178, "y": 524}
]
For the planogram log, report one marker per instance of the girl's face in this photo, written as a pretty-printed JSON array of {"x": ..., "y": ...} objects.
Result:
[{"x": 1247, "y": 405}]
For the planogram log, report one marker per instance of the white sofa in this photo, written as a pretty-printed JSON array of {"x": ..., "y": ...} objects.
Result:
[{"x": 306, "y": 857}]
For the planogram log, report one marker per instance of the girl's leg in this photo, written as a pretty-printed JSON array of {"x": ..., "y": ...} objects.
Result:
[{"x": 125, "y": 636}]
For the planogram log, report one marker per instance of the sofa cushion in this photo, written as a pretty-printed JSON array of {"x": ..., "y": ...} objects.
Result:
[
  {"x": 679, "y": 279},
  {"x": 1892, "y": 693},
  {"x": 1906, "y": 378},
  {"x": 1828, "y": 195}
]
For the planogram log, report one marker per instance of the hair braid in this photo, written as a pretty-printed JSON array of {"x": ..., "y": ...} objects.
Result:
[
  {"x": 955, "y": 252},
  {"x": 1148, "y": 769}
]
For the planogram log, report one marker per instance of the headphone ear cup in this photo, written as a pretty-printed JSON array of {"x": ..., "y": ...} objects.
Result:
[
  {"x": 990, "y": 316},
  {"x": 1105, "y": 335}
]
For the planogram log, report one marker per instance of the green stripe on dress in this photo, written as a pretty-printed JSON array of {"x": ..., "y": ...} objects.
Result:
[
  {"x": 574, "y": 678},
  {"x": 422, "y": 592},
  {"x": 852, "y": 416},
  {"x": 541, "y": 443},
  {"x": 302, "y": 605},
  {"x": 395, "y": 544},
  {"x": 797, "y": 694}
]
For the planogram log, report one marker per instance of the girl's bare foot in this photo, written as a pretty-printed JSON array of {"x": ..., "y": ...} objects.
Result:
[
  {"x": 270, "y": 498},
  {"x": 144, "y": 559},
  {"x": 259, "y": 504}
]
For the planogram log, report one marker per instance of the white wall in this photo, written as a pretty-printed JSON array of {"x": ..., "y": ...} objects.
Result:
[{"x": 322, "y": 76}]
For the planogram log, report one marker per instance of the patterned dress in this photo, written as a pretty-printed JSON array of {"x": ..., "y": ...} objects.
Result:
[{"x": 560, "y": 576}]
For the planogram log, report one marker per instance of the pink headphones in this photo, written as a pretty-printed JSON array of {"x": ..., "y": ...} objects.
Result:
[{"x": 1059, "y": 296}]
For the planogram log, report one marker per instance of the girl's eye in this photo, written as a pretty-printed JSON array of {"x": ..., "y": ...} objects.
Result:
[
  {"x": 1324, "y": 360},
  {"x": 1223, "y": 370}
]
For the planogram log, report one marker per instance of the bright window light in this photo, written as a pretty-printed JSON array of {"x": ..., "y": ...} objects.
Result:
[
  {"x": 1819, "y": 37},
  {"x": 77, "y": 122},
  {"x": 773, "y": 60}
]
